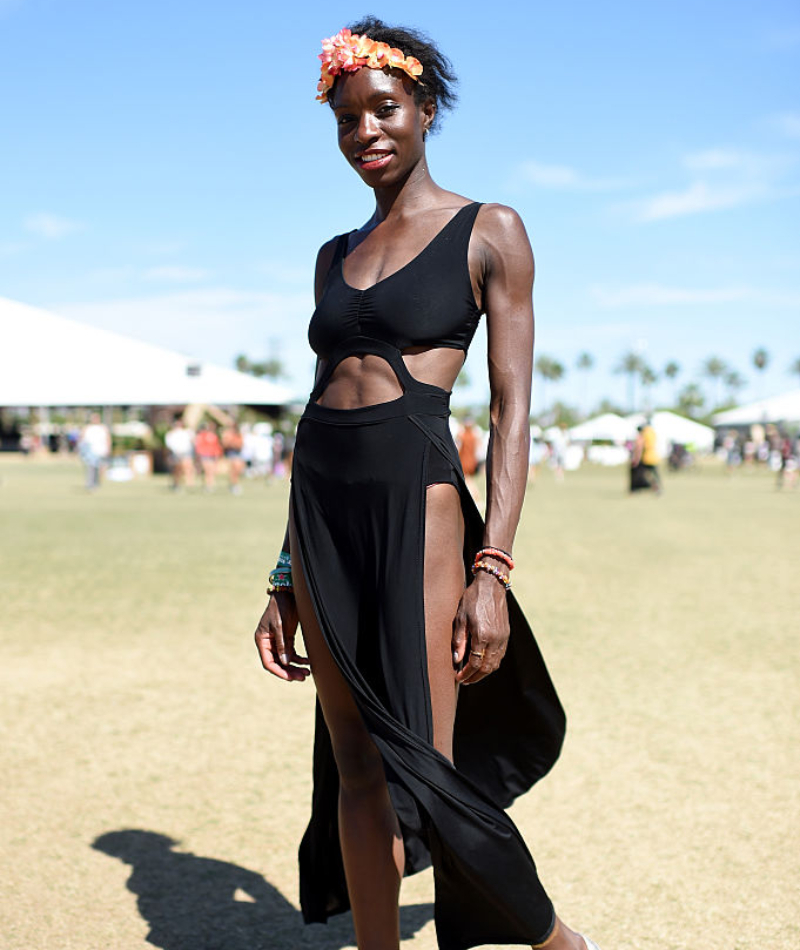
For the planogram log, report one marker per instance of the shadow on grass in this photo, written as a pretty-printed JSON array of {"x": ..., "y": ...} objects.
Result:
[{"x": 194, "y": 903}]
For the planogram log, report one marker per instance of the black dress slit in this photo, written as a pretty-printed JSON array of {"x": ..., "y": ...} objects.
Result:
[{"x": 358, "y": 505}]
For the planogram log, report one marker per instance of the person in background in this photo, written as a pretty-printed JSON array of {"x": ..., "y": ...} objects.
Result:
[
  {"x": 94, "y": 447},
  {"x": 644, "y": 461},
  {"x": 559, "y": 442},
  {"x": 180, "y": 442},
  {"x": 232, "y": 445},
  {"x": 208, "y": 451}
]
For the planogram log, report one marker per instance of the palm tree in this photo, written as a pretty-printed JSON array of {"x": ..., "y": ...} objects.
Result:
[
  {"x": 584, "y": 363},
  {"x": 632, "y": 365},
  {"x": 715, "y": 368},
  {"x": 761, "y": 361},
  {"x": 671, "y": 370},
  {"x": 551, "y": 371},
  {"x": 648, "y": 378},
  {"x": 691, "y": 399},
  {"x": 272, "y": 368},
  {"x": 734, "y": 381}
]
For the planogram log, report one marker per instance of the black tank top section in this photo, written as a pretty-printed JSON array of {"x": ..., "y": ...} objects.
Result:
[{"x": 429, "y": 302}]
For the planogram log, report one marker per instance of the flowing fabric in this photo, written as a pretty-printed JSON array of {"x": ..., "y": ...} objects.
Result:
[{"x": 358, "y": 504}]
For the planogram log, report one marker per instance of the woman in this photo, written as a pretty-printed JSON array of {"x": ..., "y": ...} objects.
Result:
[{"x": 400, "y": 589}]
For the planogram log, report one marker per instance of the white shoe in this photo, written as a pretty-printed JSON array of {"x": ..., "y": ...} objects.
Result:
[{"x": 590, "y": 944}]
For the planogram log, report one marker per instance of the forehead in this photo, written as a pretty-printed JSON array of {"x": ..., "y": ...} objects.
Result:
[{"x": 366, "y": 84}]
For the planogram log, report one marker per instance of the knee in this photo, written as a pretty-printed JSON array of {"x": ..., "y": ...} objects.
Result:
[{"x": 359, "y": 763}]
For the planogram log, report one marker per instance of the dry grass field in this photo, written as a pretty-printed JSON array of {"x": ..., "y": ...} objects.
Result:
[{"x": 156, "y": 781}]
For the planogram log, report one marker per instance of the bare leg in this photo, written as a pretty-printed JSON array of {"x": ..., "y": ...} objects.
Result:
[
  {"x": 444, "y": 585},
  {"x": 372, "y": 847}
]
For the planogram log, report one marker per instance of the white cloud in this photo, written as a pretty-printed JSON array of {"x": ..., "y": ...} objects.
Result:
[
  {"x": 175, "y": 274},
  {"x": 645, "y": 295},
  {"x": 714, "y": 158},
  {"x": 697, "y": 197},
  {"x": 564, "y": 177},
  {"x": 50, "y": 226}
]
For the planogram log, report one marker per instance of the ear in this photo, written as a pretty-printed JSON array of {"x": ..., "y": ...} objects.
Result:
[{"x": 428, "y": 114}]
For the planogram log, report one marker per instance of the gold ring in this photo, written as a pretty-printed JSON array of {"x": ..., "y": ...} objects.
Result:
[{"x": 479, "y": 653}]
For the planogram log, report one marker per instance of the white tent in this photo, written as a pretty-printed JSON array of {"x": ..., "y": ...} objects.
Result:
[
  {"x": 785, "y": 408},
  {"x": 49, "y": 360},
  {"x": 670, "y": 427},
  {"x": 606, "y": 428}
]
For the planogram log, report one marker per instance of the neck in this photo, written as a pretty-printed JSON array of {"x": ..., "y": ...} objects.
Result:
[{"x": 417, "y": 190}]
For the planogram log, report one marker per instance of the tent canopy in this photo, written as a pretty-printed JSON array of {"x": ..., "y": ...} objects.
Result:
[
  {"x": 49, "y": 360},
  {"x": 784, "y": 408},
  {"x": 669, "y": 427},
  {"x": 606, "y": 428}
]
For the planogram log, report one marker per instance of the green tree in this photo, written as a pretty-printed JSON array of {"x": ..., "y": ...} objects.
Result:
[
  {"x": 648, "y": 378},
  {"x": 631, "y": 364},
  {"x": 272, "y": 368},
  {"x": 671, "y": 371},
  {"x": 794, "y": 369},
  {"x": 691, "y": 400},
  {"x": 761, "y": 362},
  {"x": 551, "y": 371},
  {"x": 715, "y": 369},
  {"x": 734, "y": 381},
  {"x": 584, "y": 363}
]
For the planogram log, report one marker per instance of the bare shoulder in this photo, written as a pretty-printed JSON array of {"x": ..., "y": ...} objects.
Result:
[
  {"x": 502, "y": 240},
  {"x": 499, "y": 225}
]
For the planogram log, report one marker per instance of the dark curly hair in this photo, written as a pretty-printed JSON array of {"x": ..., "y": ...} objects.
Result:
[{"x": 437, "y": 82}]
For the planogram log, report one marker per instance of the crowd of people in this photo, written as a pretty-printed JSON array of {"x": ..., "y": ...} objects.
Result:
[
  {"x": 769, "y": 445},
  {"x": 253, "y": 450}
]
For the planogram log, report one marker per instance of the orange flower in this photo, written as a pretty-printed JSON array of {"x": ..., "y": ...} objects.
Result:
[{"x": 347, "y": 52}]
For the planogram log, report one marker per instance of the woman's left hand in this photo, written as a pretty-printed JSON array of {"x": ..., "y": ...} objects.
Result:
[{"x": 481, "y": 626}]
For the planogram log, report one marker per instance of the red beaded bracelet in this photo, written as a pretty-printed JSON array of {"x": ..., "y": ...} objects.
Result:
[
  {"x": 498, "y": 553},
  {"x": 504, "y": 579}
]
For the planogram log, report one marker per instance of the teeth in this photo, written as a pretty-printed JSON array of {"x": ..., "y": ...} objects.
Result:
[{"x": 372, "y": 158}]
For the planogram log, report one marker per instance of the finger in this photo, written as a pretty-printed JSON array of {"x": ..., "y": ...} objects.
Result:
[
  {"x": 281, "y": 649},
  {"x": 265, "y": 651},
  {"x": 476, "y": 660},
  {"x": 459, "y": 640}
]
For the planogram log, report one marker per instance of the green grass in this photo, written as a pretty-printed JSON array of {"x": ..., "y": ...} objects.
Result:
[{"x": 132, "y": 698}]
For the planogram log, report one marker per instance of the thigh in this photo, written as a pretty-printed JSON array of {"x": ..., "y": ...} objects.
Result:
[
  {"x": 444, "y": 585},
  {"x": 353, "y": 747}
]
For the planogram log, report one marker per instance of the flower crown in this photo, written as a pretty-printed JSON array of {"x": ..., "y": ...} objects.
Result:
[{"x": 346, "y": 52}]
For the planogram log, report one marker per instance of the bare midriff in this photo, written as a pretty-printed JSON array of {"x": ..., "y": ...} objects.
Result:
[{"x": 368, "y": 380}]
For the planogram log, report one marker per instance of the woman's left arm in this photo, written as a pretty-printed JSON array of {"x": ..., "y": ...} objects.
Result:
[{"x": 507, "y": 261}]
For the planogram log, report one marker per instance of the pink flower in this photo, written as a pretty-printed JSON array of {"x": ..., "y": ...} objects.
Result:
[{"x": 346, "y": 52}]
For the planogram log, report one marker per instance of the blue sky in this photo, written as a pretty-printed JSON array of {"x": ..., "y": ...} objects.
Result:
[{"x": 167, "y": 173}]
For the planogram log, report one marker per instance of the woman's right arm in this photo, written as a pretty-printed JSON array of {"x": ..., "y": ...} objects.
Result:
[{"x": 277, "y": 628}]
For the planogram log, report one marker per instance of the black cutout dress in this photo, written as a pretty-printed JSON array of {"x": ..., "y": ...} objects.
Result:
[{"x": 358, "y": 504}]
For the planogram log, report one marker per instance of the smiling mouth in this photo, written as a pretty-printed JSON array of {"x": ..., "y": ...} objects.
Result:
[{"x": 371, "y": 158}]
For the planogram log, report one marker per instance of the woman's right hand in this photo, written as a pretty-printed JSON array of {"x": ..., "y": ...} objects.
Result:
[{"x": 274, "y": 638}]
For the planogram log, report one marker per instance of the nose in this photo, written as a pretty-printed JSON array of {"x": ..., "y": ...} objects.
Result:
[{"x": 367, "y": 128}]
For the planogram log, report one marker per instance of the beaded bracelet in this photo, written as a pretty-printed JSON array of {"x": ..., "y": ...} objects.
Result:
[
  {"x": 498, "y": 553},
  {"x": 274, "y": 589},
  {"x": 281, "y": 577},
  {"x": 504, "y": 579}
]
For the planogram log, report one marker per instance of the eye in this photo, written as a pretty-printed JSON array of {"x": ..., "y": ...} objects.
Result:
[
  {"x": 344, "y": 119},
  {"x": 388, "y": 108}
]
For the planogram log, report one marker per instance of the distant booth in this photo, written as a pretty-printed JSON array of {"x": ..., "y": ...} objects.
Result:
[
  {"x": 783, "y": 410},
  {"x": 606, "y": 439},
  {"x": 52, "y": 368}
]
